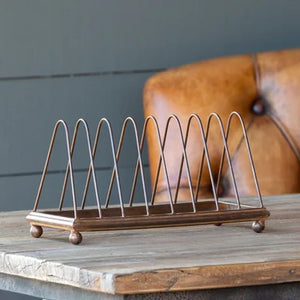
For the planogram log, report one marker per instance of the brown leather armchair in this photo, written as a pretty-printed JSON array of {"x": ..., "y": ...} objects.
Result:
[{"x": 264, "y": 88}]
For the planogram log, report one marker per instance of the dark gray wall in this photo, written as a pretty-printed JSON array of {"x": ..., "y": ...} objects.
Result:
[{"x": 69, "y": 59}]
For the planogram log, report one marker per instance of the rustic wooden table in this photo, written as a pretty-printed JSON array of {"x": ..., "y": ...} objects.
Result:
[{"x": 114, "y": 264}]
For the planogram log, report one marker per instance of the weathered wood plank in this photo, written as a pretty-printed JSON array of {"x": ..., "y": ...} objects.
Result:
[
  {"x": 168, "y": 259},
  {"x": 208, "y": 277},
  {"x": 46, "y": 290}
]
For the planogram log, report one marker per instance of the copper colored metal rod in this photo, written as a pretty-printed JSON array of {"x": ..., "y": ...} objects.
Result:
[
  {"x": 201, "y": 168},
  {"x": 137, "y": 167},
  {"x": 234, "y": 113},
  {"x": 88, "y": 139},
  {"x": 141, "y": 149},
  {"x": 60, "y": 122},
  {"x": 227, "y": 155},
  {"x": 95, "y": 146},
  {"x": 117, "y": 160},
  {"x": 185, "y": 160},
  {"x": 115, "y": 168},
  {"x": 224, "y": 138},
  {"x": 195, "y": 116},
  {"x": 62, "y": 196},
  {"x": 131, "y": 120},
  {"x": 161, "y": 161},
  {"x": 140, "y": 162},
  {"x": 201, "y": 165},
  {"x": 104, "y": 120},
  {"x": 154, "y": 190},
  {"x": 181, "y": 165}
]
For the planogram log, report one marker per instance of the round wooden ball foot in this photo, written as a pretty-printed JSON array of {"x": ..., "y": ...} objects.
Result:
[
  {"x": 258, "y": 226},
  {"x": 218, "y": 224},
  {"x": 75, "y": 237},
  {"x": 36, "y": 231}
]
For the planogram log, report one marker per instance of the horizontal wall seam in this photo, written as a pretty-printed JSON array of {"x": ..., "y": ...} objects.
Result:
[
  {"x": 62, "y": 171},
  {"x": 88, "y": 74}
]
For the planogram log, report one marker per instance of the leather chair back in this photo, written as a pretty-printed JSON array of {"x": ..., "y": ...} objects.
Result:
[{"x": 264, "y": 88}]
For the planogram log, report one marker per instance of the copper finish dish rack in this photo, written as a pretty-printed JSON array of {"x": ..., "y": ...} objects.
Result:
[{"x": 149, "y": 213}]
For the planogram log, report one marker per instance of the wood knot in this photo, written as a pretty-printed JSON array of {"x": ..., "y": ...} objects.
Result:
[{"x": 292, "y": 271}]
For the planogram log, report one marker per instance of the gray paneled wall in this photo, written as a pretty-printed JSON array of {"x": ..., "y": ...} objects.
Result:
[
  {"x": 29, "y": 111},
  {"x": 90, "y": 58},
  {"x": 42, "y": 38}
]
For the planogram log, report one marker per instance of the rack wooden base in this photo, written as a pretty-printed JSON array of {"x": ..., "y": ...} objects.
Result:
[{"x": 136, "y": 217}]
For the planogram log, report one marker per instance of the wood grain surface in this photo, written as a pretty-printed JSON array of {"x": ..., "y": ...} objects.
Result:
[{"x": 159, "y": 259}]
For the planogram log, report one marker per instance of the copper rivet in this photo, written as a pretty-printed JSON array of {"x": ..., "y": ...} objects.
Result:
[{"x": 258, "y": 108}]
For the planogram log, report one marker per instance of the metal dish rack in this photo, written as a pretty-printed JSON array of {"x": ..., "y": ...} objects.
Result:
[{"x": 149, "y": 213}]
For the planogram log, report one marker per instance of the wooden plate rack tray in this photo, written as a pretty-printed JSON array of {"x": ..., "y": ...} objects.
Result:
[{"x": 148, "y": 213}]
